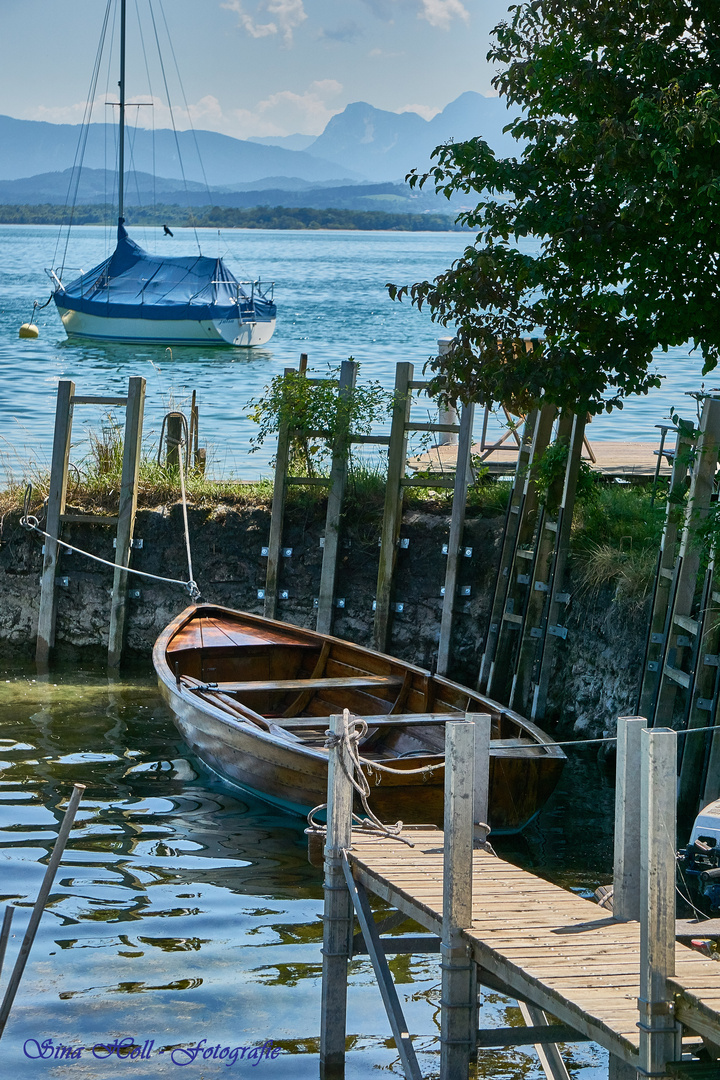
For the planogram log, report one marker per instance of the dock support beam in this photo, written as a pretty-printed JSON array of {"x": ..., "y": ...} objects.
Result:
[
  {"x": 658, "y": 779},
  {"x": 457, "y": 1032},
  {"x": 338, "y": 907},
  {"x": 626, "y": 876}
]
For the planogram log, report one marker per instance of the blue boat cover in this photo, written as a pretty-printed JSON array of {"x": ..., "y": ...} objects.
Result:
[{"x": 132, "y": 284}]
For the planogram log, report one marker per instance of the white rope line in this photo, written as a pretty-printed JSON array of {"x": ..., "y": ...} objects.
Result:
[
  {"x": 31, "y": 523},
  {"x": 184, "y": 511}
]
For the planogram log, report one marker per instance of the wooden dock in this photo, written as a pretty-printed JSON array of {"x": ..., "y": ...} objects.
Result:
[
  {"x": 624, "y": 460},
  {"x": 578, "y": 972},
  {"x": 544, "y": 944}
]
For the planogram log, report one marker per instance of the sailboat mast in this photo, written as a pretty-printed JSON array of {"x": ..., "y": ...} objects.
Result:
[{"x": 121, "y": 161}]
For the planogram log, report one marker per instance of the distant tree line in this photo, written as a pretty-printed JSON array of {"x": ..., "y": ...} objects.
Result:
[{"x": 225, "y": 217}]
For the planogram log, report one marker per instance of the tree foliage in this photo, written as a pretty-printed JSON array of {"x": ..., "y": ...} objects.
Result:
[{"x": 619, "y": 181}]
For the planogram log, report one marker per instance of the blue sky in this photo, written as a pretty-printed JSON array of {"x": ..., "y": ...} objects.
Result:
[{"x": 250, "y": 67}]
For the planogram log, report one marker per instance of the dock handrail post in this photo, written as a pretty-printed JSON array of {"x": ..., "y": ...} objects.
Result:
[
  {"x": 55, "y": 508},
  {"x": 626, "y": 875},
  {"x": 457, "y": 1037},
  {"x": 658, "y": 781},
  {"x": 338, "y": 906},
  {"x": 481, "y": 785}
]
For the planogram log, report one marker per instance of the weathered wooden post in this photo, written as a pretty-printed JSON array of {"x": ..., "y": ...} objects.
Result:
[
  {"x": 336, "y": 494},
  {"x": 277, "y": 511},
  {"x": 457, "y": 524},
  {"x": 481, "y": 785},
  {"x": 338, "y": 907},
  {"x": 173, "y": 440},
  {"x": 457, "y": 1037},
  {"x": 626, "y": 876},
  {"x": 447, "y": 414},
  {"x": 658, "y": 779},
  {"x": 392, "y": 514},
  {"x": 55, "y": 509},
  {"x": 126, "y": 516}
]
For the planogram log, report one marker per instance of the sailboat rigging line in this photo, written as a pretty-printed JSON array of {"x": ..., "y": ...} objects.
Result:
[
  {"x": 75, "y": 173},
  {"x": 172, "y": 119},
  {"x": 187, "y": 107},
  {"x": 152, "y": 98}
]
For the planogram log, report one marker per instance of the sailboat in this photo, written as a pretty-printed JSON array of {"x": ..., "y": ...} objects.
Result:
[{"x": 137, "y": 297}]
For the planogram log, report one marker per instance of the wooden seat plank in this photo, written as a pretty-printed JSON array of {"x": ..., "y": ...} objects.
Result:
[{"x": 355, "y": 682}]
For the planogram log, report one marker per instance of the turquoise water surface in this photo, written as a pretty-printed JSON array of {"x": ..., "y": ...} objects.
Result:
[{"x": 332, "y": 304}]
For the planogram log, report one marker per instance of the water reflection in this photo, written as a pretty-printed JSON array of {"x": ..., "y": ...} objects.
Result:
[{"x": 182, "y": 911}]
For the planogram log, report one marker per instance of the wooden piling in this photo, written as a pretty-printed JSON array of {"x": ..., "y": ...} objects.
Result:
[
  {"x": 626, "y": 876},
  {"x": 457, "y": 1037},
  {"x": 457, "y": 523},
  {"x": 338, "y": 907},
  {"x": 336, "y": 494},
  {"x": 392, "y": 516},
  {"x": 55, "y": 508},
  {"x": 481, "y": 781},
  {"x": 658, "y": 1028},
  {"x": 173, "y": 440},
  {"x": 276, "y": 517},
  {"x": 126, "y": 515}
]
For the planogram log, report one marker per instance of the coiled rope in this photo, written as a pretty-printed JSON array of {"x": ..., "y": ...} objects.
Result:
[
  {"x": 355, "y": 730},
  {"x": 32, "y": 524}
]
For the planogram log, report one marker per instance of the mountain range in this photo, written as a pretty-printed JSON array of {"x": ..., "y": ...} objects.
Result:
[{"x": 360, "y": 145}]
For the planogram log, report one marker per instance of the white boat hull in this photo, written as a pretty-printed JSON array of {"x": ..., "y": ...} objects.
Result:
[{"x": 167, "y": 331}]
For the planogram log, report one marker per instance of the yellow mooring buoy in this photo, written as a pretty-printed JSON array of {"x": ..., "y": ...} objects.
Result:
[{"x": 29, "y": 330}]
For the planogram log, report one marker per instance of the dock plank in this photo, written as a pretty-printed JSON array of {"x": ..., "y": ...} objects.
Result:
[{"x": 561, "y": 950}]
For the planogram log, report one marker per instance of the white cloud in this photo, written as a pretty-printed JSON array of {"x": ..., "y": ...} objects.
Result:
[
  {"x": 284, "y": 17},
  {"x": 426, "y": 111},
  {"x": 440, "y": 13},
  {"x": 283, "y": 113}
]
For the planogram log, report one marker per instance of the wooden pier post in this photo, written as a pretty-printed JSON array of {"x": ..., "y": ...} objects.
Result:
[
  {"x": 173, "y": 440},
  {"x": 457, "y": 1037},
  {"x": 481, "y": 784},
  {"x": 658, "y": 779},
  {"x": 392, "y": 515},
  {"x": 336, "y": 494},
  {"x": 277, "y": 511},
  {"x": 626, "y": 875},
  {"x": 126, "y": 515},
  {"x": 55, "y": 508},
  {"x": 338, "y": 906},
  {"x": 457, "y": 523}
]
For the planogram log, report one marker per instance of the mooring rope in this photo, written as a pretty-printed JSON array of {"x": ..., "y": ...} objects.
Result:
[
  {"x": 355, "y": 729},
  {"x": 31, "y": 523}
]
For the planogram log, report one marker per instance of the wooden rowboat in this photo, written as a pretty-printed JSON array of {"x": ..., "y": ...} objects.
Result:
[{"x": 252, "y": 697}]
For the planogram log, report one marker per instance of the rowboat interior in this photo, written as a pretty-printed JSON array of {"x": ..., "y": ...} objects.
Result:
[{"x": 288, "y": 682}]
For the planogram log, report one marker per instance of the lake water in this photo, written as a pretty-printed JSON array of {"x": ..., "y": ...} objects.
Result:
[
  {"x": 185, "y": 911},
  {"x": 331, "y": 304}
]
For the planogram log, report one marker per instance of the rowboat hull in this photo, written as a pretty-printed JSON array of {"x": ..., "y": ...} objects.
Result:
[{"x": 524, "y": 768}]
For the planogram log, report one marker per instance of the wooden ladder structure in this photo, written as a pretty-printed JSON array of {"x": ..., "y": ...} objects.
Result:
[
  {"x": 528, "y": 601},
  {"x": 681, "y": 667},
  {"x": 397, "y": 482},
  {"x": 67, "y": 399}
]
